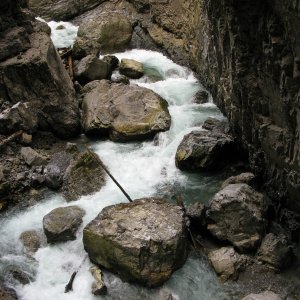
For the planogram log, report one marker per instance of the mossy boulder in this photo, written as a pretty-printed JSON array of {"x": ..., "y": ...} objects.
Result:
[
  {"x": 143, "y": 241},
  {"x": 84, "y": 176},
  {"x": 123, "y": 112},
  {"x": 106, "y": 34}
]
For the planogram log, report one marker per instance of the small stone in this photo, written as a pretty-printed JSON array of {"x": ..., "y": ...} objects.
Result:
[
  {"x": 60, "y": 27},
  {"x": 31, "y": 240},
  {"x": 131, "y": 68},
  {"x": 118, "y": 78},
  {"x": 61, "y": 224},
  {"x": 211, "y": 123},
  {"x": 247, "y": 178},
  {"x": 98, "y": 286},
  {"x": 26, "y": 138},
  {"x": 227, "y": 262},
  {"x": 32, "y": 158}
]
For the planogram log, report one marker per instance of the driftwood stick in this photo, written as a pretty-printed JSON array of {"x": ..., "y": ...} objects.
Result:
[
  {"x": 65, "y": 54},
  {"x": 69, "y": 286},
  {"x": 11, "y": 138},
  {"x": 112, "y": 177},
  {"x": 70, "y": 66}
]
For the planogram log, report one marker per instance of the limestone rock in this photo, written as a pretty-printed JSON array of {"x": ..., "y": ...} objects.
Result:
[
  {"x": 267, "y": 295},
  {"x": 196, "y": 214},
  {"x": 204, "y": 151},
  {"x": 31, "y": 240},
  {"x": 275, "y": 251},
  {"x": 123, "y": 112},
  {"x": 98, "y": 286},
  {"x": 143, "y": 241},
  {"x": 61, "y": 224},
  {"x": 83, "y": 176},
  {"x": 236, "y": 214},
  {"x": 247, "y": 178},
  {"x": 32, "y": 158},
  {"x": 51, "y": 94},
  {"x": 91, "y": 68},
  {"x": 227, "y": 262},
  {"x": 201, "y": 97},
  {"x": 61, "y": 10},
  {"x": 131, "y": 68},
  {"x": 18, "y": 117},
  {"x": 108, "y": 33}
]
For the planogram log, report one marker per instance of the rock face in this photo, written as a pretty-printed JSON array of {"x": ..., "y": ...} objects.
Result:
[
  {"x": 61, "y": 10},
  {"x": 51, "y": 94},
  {"x": 267, "y": 295},
  {"x": 143, "y": 241},
  {"x": 227, "y": 263},
  {"x": 123, "y": 112},
  {"x": 91, "y": 68},
  {"x": 275, "y": 251},
  {"x": 108, "y": 33},
  {"x": 61, "y": 224},
  {"x": 204, "y": 151},
  {"x": 83, "y": 176},
  {"x": 236, "y": 214},
  {"x": 131, "y": 68}
]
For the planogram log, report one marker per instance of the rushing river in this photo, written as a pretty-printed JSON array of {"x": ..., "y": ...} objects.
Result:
[{"x": 144, "y": 169}]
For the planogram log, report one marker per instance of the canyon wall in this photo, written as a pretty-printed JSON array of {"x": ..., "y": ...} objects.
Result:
[{"x": 247, "y": 54}]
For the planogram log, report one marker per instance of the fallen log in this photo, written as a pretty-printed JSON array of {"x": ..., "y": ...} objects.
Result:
[{"x": 11, "y": 138}]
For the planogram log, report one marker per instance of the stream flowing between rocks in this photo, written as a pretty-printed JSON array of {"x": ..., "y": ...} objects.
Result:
[{"x": 144, "y": 169}]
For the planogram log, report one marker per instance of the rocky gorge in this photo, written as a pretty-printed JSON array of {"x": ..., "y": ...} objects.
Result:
[{"x": 153, "y": 125}]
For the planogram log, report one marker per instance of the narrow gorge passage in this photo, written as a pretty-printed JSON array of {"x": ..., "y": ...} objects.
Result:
[{"x": 144, "y": 169}]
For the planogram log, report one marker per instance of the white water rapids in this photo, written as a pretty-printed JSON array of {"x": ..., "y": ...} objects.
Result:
[{"x": 144, "y": 169}]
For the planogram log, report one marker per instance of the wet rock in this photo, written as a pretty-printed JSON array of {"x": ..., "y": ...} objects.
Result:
[
  {"x": 91, "y": 68},
  {"x": 227, "y": 262},
  {"x": 275, "y": 250},
  {"x": 112, "y": 61},
  {"x": 247, "y": 178},
  {"x": 51, "y": 94},
  {"x": 31, "y": 240},
  {"x": 237, "y": 214},
  {"x": 118, "y": 78},
  {"x": 108, "y": 33},
  {"x": 83, "y": 176},
  {"x": 131, "y": 68},
  {"x": 98, "y": 286},
  {"x": 15, "y": 274},
  {"x": 32, "y": 158},
  {"x": 7, "y": 293},
  {"x": 143, "y": 241},
  {"x": 61, "y": 10},
  {"x": 61, "y": 224},
  {"x": 196, "y": 214},
  {"x": 204, "y": 151},
  {"x": 18, "y": 117},
  {"x": 211, "y": 123},
  {"x": 201, "y": 97},
  {"x": 123, "y": 112},
  {"x": 56, "y": 168},
  {"x": 267, "y": 295}
]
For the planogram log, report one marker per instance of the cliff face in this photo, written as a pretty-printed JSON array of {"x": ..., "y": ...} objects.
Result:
[
  {"x": 248, "y": 54},
  {"x": 251, "y": 63}
]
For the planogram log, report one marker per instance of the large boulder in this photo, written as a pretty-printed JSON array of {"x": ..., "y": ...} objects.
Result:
[
  {"x": 275, "y": 250},
  {"x": 237, "y": 214},
  {"x": 131, "y": 68},
  {"x": 18, "y": 117},
  {"x": 62, "y": 223},
  {"x": 83, "y": 176},
  {"x": 61, "y": 10},
  {"x": 204, "y": 151},
  {"x": 123, "y": 112},
  {"x": 51, "y": 94},
  {"x": 91, "y": 68},
  {"x": 143, "y": 241},
  {"x": 106, "y": 34},
  {"x": 227, "y": 262}
]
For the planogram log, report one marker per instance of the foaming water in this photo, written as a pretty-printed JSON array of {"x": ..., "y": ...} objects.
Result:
[
  {"x": 63, "y": 34},
  {"x": 144, "y": 169}
]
